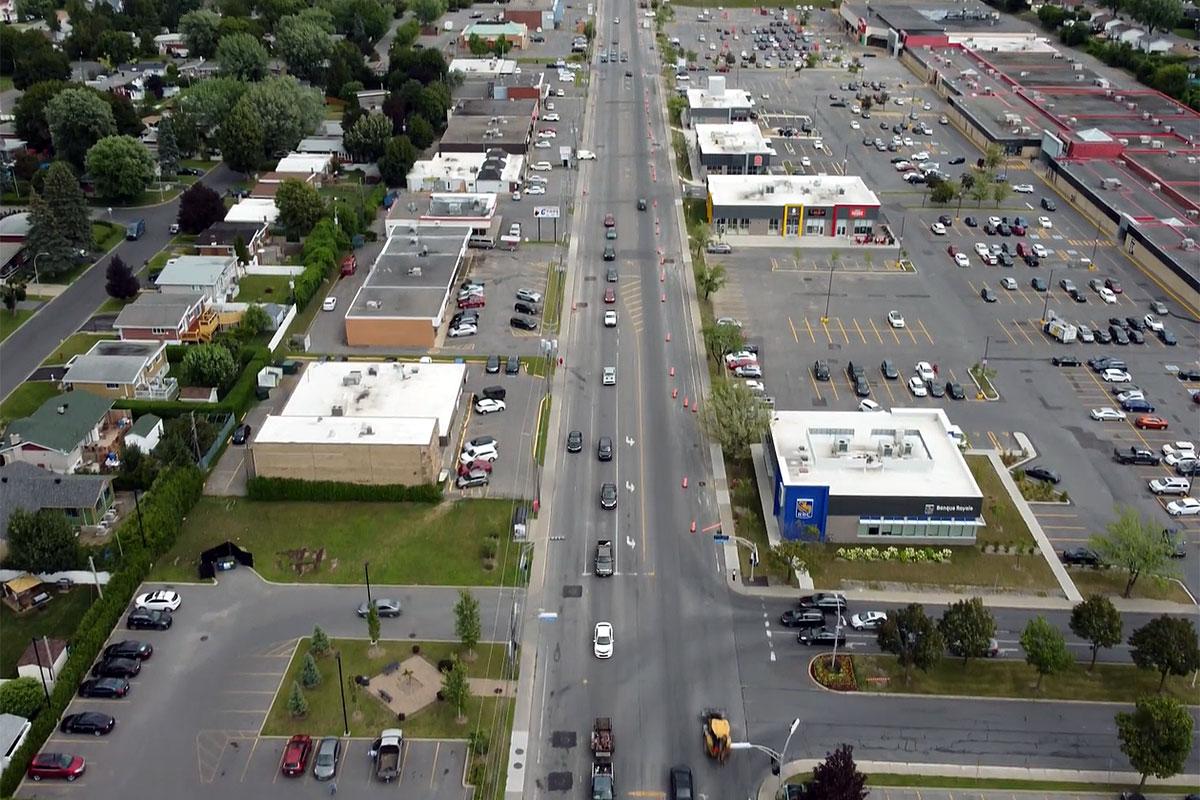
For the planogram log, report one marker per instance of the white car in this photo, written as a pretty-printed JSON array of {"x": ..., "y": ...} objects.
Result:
[
  {"x": 1107, "y": 414},
  {"x": 1170, "y": 486},
  {"x": 925, "y": 371},
  {"x": 1175, "y": 452},
  {"x": 547, "y": 134},
  {"x": 1040, "y": 251},
  {"x": 918, "y": 387},
  {"x": 541, "y": 166},
  {"x": 962, "y": 260},
  {"x": 806, "y": 161},
  {"x": 756, "y": 387},
  {"x": 486, "y": 452},
  {"x": 462, "y": 329},
  {"x": 748, "y": 371},
  {"x": 867, "y": 620},
  {"x": 602, "y": 640},
  {"x": 902, "y": 166},
  {"x": 542, "y": 144},
  {"x": 731, "y": 359},
  {"x": 907, "y": 141},
  {"x": 895, "y": 319},
  {"x": 1184, "y": 507},
  {"x": 1116, "y": 376},
  {"x": 163, "y": 600},
  {"x": 869, "y": 405},
  {"x": 1009, "y": 283},
  {"x": 610, "y": 376},
  {"x": 1023, "y": 188},
  {"x": 551, "y": 118},
  {"x": 1045, "y": 222},
  {"x": 329, "y": 304},
  {"x": 610, "y": 319},
  {"x": 854, "y": 125},
  {"x": 1132, "y": 394},
  {"x": 536, "y": 189},
  {"x": 734, "y": 321},
  {"x": 486, "y": 405},
  {"x": 1107, "y": 294},
  {"x": 982, "y": 249},
  {"x": 538, "y": 179},
  {"x": 921, "y": 156},
  {"x": 585, "y": 155},
  {"x": 938, "y": 229},
  {"x": 1153, "y": 322},
  {"x": 549, "y": 105},
  {"x": 994, "y": 222}
]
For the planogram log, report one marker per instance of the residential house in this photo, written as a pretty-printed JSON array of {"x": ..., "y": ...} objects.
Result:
[
  {"x": 172, "y": 317},
  {"x": 171, "y": 44},
  {"x": 1131, "y": 36},
  {"x": 296, "y": 165},
  {"x": 220, "y": 239},
  {"x": 261, "y": 210},
  {"x": 145, "y": 434},
  {"x": 371, "y": 99},
  {"x": 130, "y": 370},
  {"x": 13, "y": 729},
  {"x": 1156, "y": 44},
  {"x": 13, "y": 230},
  {"x": 324, "y": 146},
  {"x": 43, "y": 661},
  {"x": 85, "y": 500},
  {"x": 214, "y": 276},
  {"x": 68, "y": 432}
]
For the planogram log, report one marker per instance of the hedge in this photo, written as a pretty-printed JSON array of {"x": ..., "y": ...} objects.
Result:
[
  {"x": 237, "y": 400},
  {"x": 171, "y": 497},
  {"x": 260, "y": 488}
]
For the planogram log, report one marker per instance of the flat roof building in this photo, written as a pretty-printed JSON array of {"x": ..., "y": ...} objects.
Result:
[
  {"x": 734, "y": 148},
  {"x": 886, "y": 477},
  {"x": 792, "y": 206},
  {"x": 716, "y": 103},
  {"x": 493, "y": 171},
  {"x": 470, "y": 134}
]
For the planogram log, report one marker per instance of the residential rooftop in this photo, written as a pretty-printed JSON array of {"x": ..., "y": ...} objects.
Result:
[
  {"x": 157, "y": 310},
  {"x": 111, "y": 362},
  {"x": 193, "y": 270},
  {"x": 60, "y": 423}
]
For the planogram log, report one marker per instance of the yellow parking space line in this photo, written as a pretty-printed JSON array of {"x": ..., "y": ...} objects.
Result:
[
  {"x": 828, "y": 336},
  {"x": 1011, "y": 340},
  {"x": 792, "y": 325},
  {"x": 1036, "y": 324},
  {"x": 1024, "y": 295},
  {"x": 912, "y": 336},
  {"x": 974, "y": 288},
  {"x": 842, "y": 327},
  {"x": 878, "y": 335},
  {"x": 1021, "y": 331},
  {"x": 774, "y": 265},
  {"x": 925, "y": 331},
  {"x": 813, "y": 381},
  {"x": 833, "y": 385},
  {"x": 861, "y": 335},
  {"x": 888, "y": 385},
  {"x": 811, "y": 335},
  {"x": 994, "y": 440}
]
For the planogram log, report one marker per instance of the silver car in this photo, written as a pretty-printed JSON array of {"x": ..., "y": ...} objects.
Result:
[
  {"x": 325, "y": 762},
  {"x": 384, "y": 606}
]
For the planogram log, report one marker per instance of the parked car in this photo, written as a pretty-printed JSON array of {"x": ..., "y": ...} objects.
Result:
[
  {"x": 129, "y": 648},
  {"x": 488, "y": 406},
  {"x": 295, "y": 755},
  {"x": 1043, "y": 474},
  {"x": 821, "y": 370},
  {"x": 326, "y": 757},
  {"x": 164, "y": 600},
  {"x": 90, "y": 722},
  {"x": 241, "y": 434},
  {"x": 104, "y": 687},
  {"x": 523, "y": 323},
  {"x": 802, "y": 618},
  {"x": 868, "y": 620},
  {"x": 830, "y": 600},
  {"x": 385, "y": 607},
  {"x": 63, "y": 766},
  {"x": 1080, "y": 556},
  {"x": 148, "y": 619},
  {"x": 824, "y": 636},
  {"x": 116, "y": 668}
]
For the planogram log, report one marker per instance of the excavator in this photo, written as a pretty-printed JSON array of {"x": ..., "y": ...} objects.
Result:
[{"x": 716, "y": 734}]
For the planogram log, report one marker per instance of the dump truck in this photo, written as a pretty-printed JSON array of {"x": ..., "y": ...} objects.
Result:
[
  {"x": 603, "y": 784},
  {"x": 386, "y": 754},
  {"x": 716, "y": 734}
]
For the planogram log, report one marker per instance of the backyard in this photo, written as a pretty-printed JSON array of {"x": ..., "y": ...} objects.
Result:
[
  {"x": 406, "y": 543},
  {"x": 264, "y": 289},
  {"x": 57, "y": 619}
]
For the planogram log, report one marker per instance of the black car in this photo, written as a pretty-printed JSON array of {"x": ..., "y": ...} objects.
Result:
[
  {"x": 1102, "y": 336},
  {"x": 1119, "y": 336},
  {"x": 936, "y": 389},
  {"x": 831, "y": 600},
  {"x": 610, "y": 254},
  {"x": 610, "y": 275},
  {"x": 1188, "y": 468},
  {"x": 608, "y": 496},
  {"x": 604, "y": 448},
  {"x": 681, "y": 783},
  {"x": 888, "y": 369},
  {"x": 575, "y": 442},
  {"x": 493, "y": 365},
  {"x": 523, "y": 323},
  {"x": 945, "y": 219},
  {"x": 148, "y": 619},
  {"x": 802, "y": 618},
  {"x": 1102, "y": 363},
  {"x": 1080, "y": 556},
  {"x": 861, "y": 387},
  {"x": 1077, "y": 295},
  {"x": 494, "y": 392},
  {"x": 1039, "y": 284},
  {"x": 1048, "y": 204},
  {"x": 104, "y": 687},
  {"x": 512, "y": 365},
  {"x": 957, "y": 160},
  {"x": 1135, "y": 323},
  {"x": 821, "y": 370},
  {"x": 955, "y": 390},
  {"x": 117, "y": 668},
  {"x": 971, "y": 222},
  {"x": 1188, "y": 375},
  {"x": 1004, "y": 229},
  {"x": 1136, "y": 336},
  {"x": 92, "y": 722},
  {"x": 1167, "y": 338},
  {"x": 483, "y": 441},
  {"x": 1173, "y": 539},
  {"x": 241, "y": 434},
  {"x": 1065, "y": 361},
  {"x": 1043, "y": 474},
  {"x": 1135, "y": 455},
  {"x": 130, "y": 648},
  {"x": 1031, "y": 260},
  {"x": 826, "y": 636},
  {"x": 988, "y": 295},
  {"x": 187, "y": 171}
]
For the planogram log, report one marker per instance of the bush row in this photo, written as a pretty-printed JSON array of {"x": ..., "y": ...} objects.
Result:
[
  {"x": 320, "y": 253},
  {"x": 163, "y": 508},
  {"x": 290, "y": 489},
  {"x": 936, "y": 555}
]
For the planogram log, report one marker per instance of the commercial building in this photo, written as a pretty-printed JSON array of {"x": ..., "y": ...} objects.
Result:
[
  {"x": 356, "y": 422},
  {"x": 515, "y": 33},
  {"x": 716, "y": 103},
  {"x": 889, "y": 477},
  {"x": 792, "y": 206},
  {"x": 493, "y": 171},
  {"x": 470, "y": 134},
  {"x": 734, "y": 148}
]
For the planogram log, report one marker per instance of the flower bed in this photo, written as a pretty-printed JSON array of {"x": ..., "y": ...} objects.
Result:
[
  {"x": 841, "y": 680},
  {"x": 906, "y": 555}
]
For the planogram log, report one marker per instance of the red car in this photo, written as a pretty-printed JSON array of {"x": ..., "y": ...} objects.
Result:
[
  {"x": 1151, "y": 422},
  {"x": 475, "y": 301},
  {"x": 610, "y": 296},
  {"x": 295, "y": 755},
  {"x": 952, "y": 251},
  {"x": 1018, "y": 230},
  {"x": 609, "y": 221},
  {"x": 56, "y": 765},
  {"x": 466, "y": 469},
  {"x": 734, "y": 363},
  {"x": 1115, "y": 286}
]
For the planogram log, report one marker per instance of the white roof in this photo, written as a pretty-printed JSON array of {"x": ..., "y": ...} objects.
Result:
[
  {"x": 347, "y": 430},
  {"x": 732, "y": 138},
  {"x": 805, "y": 444},
  {"x": 368, "y": 391},
  {"x": 304, "y": 163},
  {"x": 484, "y": 66},
  {"x": 730, "y": 98},
  {"x": 194, "y": 271},
  {"x": 778, "y": 190},
  {"x": 446, "y": 166},
  {"x": 321, "y": 144},
  {"x": 253, "y": 209}
]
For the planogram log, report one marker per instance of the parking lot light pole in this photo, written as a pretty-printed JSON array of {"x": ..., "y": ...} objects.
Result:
[
  {"x": 1049, "y": 288},
  {"x": 342, "y": 686},
  {"x": 367, "y": 574},
  {"x": 828, "y": 295}
]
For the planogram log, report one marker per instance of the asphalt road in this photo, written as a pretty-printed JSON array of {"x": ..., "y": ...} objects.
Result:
[
  {"x": 25, "y": 349},
  {"x": 674, "y": 648}
]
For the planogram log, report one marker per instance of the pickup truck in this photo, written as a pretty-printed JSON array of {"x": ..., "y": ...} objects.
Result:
[
  {"x": 385, "y": 752},
  {"x": 604, "y": 558},
  {"x": 603, "y": 785},
  {"x": 1135, "y": 455}
]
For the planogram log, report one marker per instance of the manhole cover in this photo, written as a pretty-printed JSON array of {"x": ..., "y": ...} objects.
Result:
[
  {"x": 559, "y": 781},
  {"x": 573, "y": 590},
  {"x": 562, "y": 739}
]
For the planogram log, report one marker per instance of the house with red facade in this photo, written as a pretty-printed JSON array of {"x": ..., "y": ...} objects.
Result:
[{"x": 174, "y": 318}]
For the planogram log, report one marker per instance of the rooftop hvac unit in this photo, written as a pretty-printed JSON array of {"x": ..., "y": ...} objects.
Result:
[
  {"x": 413, "y": 240},
  {"x": 374, "y": 305},
  {"x": 885, "y": 449},
  {"x": 1156, "y": 120},
  {"x": 841, "y": 446},
  {"x": 1144, "y": 139},
  {"x": 372, "y": 370},
  {"x": 1131, "y": 105},
  {"x": 366, "y": 430},
  {"x": 1024, "y": 73},
  {"x": 1119, "y": 98},
  {"x": 352, "y": 378},
  {"x": 907, "y": 449},
  {"x": 1079, "y": 78},
  {"x": 338, "y": 411},
  {"x": 1155, "y": 186},
  {"x": 1187, "y": 244},
  {"x": 1075, "y": 65},
  {"x": 1191, "y": 159},
  {"x": 1073, "y": 120},
  {"x": 1108, "y": 92},
  {"x": 1145, "y": 115},
  {"x": 1169, "y": 128},
  {"x": 1156, "y": 145},
  {"x": 1192, "y": 213}
]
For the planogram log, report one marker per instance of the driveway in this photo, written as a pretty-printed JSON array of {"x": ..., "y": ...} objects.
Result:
[{"x": 229, "y": 474}]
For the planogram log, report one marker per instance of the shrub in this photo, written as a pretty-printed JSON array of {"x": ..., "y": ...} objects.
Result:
[
  {"x": 907, "y": 555},
  {"x": 287, "y": 489},
  {"x": 842, "y": 681},
  {"x": 23, "y": 697}
]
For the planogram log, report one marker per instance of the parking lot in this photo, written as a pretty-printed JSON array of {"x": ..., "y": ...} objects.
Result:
[{"x": 515, "y": 429}]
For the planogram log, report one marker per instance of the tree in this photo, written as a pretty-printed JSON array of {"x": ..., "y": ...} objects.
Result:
[
  {"x": 119, "y": 280},
  {"x": 368, "y": 138},
  {"x": 420, "y": 131},
  {"x": 36, "y": 60},
  {"x": 837, "y": 777},
  {"x": 427, "y": 11},
  {"x": 1045, "y": 648},
  {"x": 1166, "y": 644},
  {"x": 168, "y": 149},
  {"x": 363, "y": 22},
  {"x": 54, "y": 254},
  {"x": 254, "y": 321},
  {"x": 310, "y": 675},
  {"x": 968, "y": 628},
  {"x": 32, "y": 10},
  {"x": 208, "y": 102},
  {"x": 241, "y": 139},
  {"x": 734, "y": 417},
  {"x": 710, "y": 278},
  {"x": 199, "y": 207},
  {"x": 29, "y": 112},
  {"x": 300, "y": 206},
  {"x": 303, "y": 45},
  {"x": 466, "y": 620},
  {"x": 116, "y": 47},
  {"x": 121, "y": 168},
  {"x": 981, "y": 187},
  {"x": 373, "y": 623},
  {"x": 722, "y": 339},
  {"x": 345, "y": 66},
  {"x": 1000, "y": 192},
  {"x": 398, "y": 158},
  {"x": 22, "y": 696},
  {"x": 297, "y": 706},
  {"x": 78, "y": 118},
  {"x": 478, "y": 45},
  {"x": 285, "y": 110},
  {"x": 60, "y": 190},
  {"x": 12, "y": 292},
  {"x": 455, "y": 687},
  {"x": 201, "y": 31},
  {"x": 242, "y": 56},
  {"x": 1171, "y": 80},
  {"x": 1097, "y": 621},
  {"x": 1156, "y": 736},
  {"x": 41, "y": 541},
  {"x": 1158, "y": 15},
  {"x": 126, "y": 117},
  {"x": 1134, "y": 544},
  {"x": 993, "y": 157},
  {"x": 319, "y": 643},
  {"x": 209, "y": 365},
  {"x": 943, "y": 192},
  {"x": 790, "y": 555},
  {"x": 912, "y": 636}
]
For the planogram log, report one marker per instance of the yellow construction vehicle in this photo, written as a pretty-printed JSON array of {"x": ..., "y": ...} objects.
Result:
[{"x": 716, "y": 734}]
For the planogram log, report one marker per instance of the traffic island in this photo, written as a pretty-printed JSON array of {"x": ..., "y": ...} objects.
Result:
[{"x": 836, "y": 675}]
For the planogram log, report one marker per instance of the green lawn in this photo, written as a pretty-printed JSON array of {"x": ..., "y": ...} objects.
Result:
[
  {"x": 6, "y": 83},
  {"x": 969, "y": 567},
  {"x": 111, "y": 305},
  {"x": 263, "y": 289},
  {"x": 26, "y": 399},
  {"x": 406, "y": 543},
  {"x": 945, "y": 782},
  {"x": 1004, "y": 523},
  {"x": 1122, "y": 683},
  {"x": 106, "y": 235},
  {"x": 543, "y": 430},
  {"x": 58, "y": 619},
  {"x": 11, "y": 320},
  {"x": 367, "y": 714},
  {"x": 1112, "y": 582},
  {"x": 74, "y": 345}
]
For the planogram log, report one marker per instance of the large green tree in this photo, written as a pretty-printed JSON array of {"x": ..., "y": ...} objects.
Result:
[
  {"x": 42, "y": 541},
  {"x": 29, "y": 112},
  {"x": 286, "y": 112},
  {"x": 201, "y": 32},
  {"x": 1156, "y": 736},
  {"x": 1045, "y": 648},
  {"x": 78, "y": 118},
  {"x": 912, "y": 636},
  {"x": 968, "y": 628},
  {"x": 119, "y": 280},
  {"x": 455, "y": 688},
  {"x": 36, "y": 60},
  {"x": 53, "y": 254},
  {"x": 241, "y": 139},
  {"x": 242, "y": 56},
  {"x": 209, "y": 101},
  {"x": 427, "y": 11},
  {"x": 121, "y": 168},
  {"x": 368, "y": 137},
  {"x": 168, "y": 149},
  {"x": 1167, "y": 645},
  {"x": 209, "y": 365},
  {"x": 1134, "y": 544},
  {"x": 23, "y": 696},
  {"x": 710, "y": 278},
  {"x": 116, "y": 47},
  {"x": 303, "y": 45},
  {"x": 363, "y": 22},
  {"x": 60, "y": 190},
  {"x": 300, "y": 206},
  {"x": 722, "y": 339},
  {"x": 1157, "y": 15},
  {"x": 32, "y": 10},
  {"x": 398, "y": 158},
  {"x": 734, "y": 417},
  {"x": 1097, "y": 621}
]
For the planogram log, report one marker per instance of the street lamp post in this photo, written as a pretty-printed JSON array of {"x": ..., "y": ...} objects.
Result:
[
  {"x": 367, "y": 574},
  {"x": 1046, "y": 305},
  {"x": 138, "y": 505},
  {"x": 35, "y": 269},
  {"x": 783, "y": 753},
  {"x": 828, "y": 295},
  {"x": 342, "y": 686}
]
